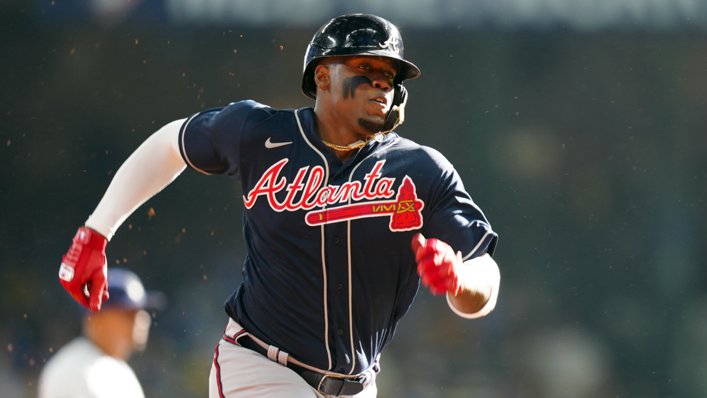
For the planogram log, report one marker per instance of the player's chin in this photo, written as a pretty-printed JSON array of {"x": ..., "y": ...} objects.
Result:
[{"x": 371, "y": 125}]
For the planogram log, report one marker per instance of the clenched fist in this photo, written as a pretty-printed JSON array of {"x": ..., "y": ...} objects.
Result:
[
  {"x": 83, "y": 269},
  {"x": 437, "y": 265}
]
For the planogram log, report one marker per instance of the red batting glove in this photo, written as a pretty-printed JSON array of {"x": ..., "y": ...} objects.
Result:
[
  {"x": 437, "y": 265},
  {"x": 84, "y": 270}
]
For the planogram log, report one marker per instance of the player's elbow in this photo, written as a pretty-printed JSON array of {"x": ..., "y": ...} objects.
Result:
[{"x": 483, "y": 280}]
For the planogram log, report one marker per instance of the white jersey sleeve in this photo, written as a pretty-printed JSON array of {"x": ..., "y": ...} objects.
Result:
[{"x": 153, "y": 166}]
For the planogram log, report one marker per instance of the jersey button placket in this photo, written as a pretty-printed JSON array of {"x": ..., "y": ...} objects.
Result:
[{"x": 338, "y": 273}]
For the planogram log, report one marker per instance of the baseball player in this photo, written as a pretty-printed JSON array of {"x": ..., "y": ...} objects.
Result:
[
  {"x": 342, "y": 220},
  {"x": 93, "y": 365}
]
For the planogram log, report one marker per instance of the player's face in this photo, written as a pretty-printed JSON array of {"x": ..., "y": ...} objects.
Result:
[
  {"x": 130, "y": 329},
  {"x": 362, "y": 90}
]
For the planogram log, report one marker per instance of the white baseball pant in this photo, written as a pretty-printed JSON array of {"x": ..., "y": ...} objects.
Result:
[{"x": 238, "y": 372}]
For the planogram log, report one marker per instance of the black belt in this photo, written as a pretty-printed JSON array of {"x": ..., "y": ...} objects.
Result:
[{"x": 325, "y": 384}]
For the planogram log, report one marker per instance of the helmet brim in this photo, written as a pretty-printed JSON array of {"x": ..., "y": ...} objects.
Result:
[{"x": 407, "y": 71}]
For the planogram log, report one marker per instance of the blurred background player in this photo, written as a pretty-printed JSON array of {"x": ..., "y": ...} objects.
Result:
[{"x": 94, "y": 364}]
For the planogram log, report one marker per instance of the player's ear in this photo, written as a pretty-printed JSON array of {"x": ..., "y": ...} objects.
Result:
[{"x": 321, "y": 76}]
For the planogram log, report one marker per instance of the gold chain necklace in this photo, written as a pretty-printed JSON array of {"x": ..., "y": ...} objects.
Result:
[
  {"x": 358, "y": 144},
  {"x": 349, "y": 147}
]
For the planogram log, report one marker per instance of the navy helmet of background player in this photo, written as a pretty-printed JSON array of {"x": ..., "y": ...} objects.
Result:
[{"x": 333, "y": 201}]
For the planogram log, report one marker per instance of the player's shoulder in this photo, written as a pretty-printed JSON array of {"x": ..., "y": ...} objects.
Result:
[
  {"x": 64, "y": 371},
  {"x": 79, "y": 350},
  {"x": 242, "y": 109},
  {"x": 239, "y": 116},
  {"x": 424, "y": 155}
]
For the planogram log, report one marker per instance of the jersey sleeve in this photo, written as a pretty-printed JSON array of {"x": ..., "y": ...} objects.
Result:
[
  {"x": 454, "y": 217},
  {"x": 210, "y": 141}
]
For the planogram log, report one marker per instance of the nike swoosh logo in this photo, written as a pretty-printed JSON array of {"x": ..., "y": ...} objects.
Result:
[{"x": 271, "y": 145}]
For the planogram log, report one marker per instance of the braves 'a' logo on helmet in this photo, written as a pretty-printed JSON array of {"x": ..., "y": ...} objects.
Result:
[{"x": 392, "y": 42}]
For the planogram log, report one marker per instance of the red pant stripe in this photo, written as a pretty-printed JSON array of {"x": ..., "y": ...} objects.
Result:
[{"x": 218, "y": 374}]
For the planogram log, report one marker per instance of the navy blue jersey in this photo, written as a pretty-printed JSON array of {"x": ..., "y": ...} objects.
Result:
[{"x": 329, "y": 270}]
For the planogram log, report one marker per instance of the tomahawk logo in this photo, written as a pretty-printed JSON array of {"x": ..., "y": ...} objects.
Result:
[{"x": 306, "y": 192}]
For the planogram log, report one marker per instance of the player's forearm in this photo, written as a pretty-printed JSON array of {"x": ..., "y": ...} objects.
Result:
[
  {"x": 153, "y": 166},
  {"x": 481, "y": 280}
]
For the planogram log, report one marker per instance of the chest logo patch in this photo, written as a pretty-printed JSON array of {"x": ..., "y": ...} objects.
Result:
[
  {"x": 405, "y": 211},
  {"x": 306, "y": 193}
]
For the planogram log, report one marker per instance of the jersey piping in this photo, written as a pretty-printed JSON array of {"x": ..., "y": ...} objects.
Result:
[
  {"x": 184, "y": 149},
  {"x": 326, "y": 182},
  {"x": 482, "y": 240}
]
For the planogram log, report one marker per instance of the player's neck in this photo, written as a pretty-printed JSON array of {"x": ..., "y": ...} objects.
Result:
[
  {"x": 110, "y": 346},
  {"x": 335, "y": 135}
]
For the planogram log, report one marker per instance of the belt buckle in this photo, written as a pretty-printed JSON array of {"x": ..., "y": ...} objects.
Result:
[{"x": 319, "y": 387}]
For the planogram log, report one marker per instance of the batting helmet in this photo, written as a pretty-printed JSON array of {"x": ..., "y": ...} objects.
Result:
[{"x": 351, "y": 35}]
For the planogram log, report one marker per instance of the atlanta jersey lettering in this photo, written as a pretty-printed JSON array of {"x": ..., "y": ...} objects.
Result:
[{"x": 329, "y": 270}]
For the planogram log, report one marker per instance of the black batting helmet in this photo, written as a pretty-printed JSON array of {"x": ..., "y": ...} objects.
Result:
[{"x": 355, "y": 34}]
